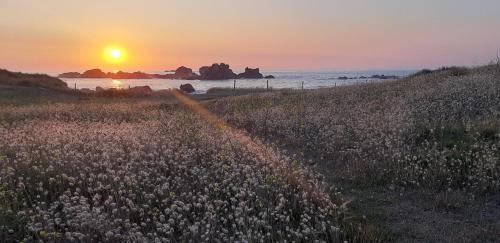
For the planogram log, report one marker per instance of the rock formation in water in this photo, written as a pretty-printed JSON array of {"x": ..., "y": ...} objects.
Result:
[
  {"x": 217, "y": 72},
  {"x": 93, "y": 73},
  {"x": 384, "y": 77},
  {"x": 251, "y": 73},
  {"x": 180, "y": 73},
  {"x": 125, "y": 75},
  {"x": 184, "y": 73},
  {"x": 69, "y": 75},
  {"x": 269, "y": 77},
  {"x": 187, "y": 88}
]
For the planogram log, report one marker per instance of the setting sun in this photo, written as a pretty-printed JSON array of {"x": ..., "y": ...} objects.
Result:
[{"x": 114, "y": 54}]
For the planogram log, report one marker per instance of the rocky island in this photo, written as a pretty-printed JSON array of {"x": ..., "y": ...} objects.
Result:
[{"x": 217, "y": 71}]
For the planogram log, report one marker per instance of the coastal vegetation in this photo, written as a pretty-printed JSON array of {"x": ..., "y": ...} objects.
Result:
[
  {"x": 438, "y": 130},
  {"x": 32, "y": 80},
  {"x": 371, "y": 162}
]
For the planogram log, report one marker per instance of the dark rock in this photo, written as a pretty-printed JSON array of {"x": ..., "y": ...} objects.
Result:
[
  {"x": 269, "y": 77},
  {"x": 125, "y": 75},
  {"x": 164, "y": 76},
  {"x": 194, "y": 76},
  {"x": 184, "y": 72},
  {"x": 97, "y": 73},
  {"x": 383, "y": 77},
  {"x": 187, "y": 88},
  {"x": 362, "y": 77},
  {"x": 69, "y": 75},
  {"x": 251, "y": 73},
  {"x": 217, "y": 72},
  {"x": 343, "y": 78},
  {"x": 180, "y": 73},
  {"x": 93, "y": 73},
  {"x": 99, "y": 89}
]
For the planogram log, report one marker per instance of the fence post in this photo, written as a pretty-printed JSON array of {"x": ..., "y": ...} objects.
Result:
[
  {"x": 234, "y": 87},
  {"x": 267, "y": 84},
  {"x": 302, "y": 85},
  {"x": 75, "y": 86}
]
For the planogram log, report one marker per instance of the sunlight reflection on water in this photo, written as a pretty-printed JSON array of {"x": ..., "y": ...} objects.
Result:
[{"x": 117, "y": 84}]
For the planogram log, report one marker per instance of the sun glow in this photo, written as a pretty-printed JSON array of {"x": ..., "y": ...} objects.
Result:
[{"x": 114, "y": 54}]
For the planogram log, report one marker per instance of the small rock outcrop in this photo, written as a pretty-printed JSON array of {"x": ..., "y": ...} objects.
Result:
[
  {"x": 217, "y": 72},
  {"x": 93, "y": 73},
  {"x": 187, "y": 88},
  {"x": 125, "y": 75},
  {"x": 384, "y": 77},
  {"x": 251, "y": 73},
  {"x": 269, "y": 77},
  {"x": 69, "y": 75},
  {"x": 184, "y": 72},
  {"x": 180, "y": 73}
]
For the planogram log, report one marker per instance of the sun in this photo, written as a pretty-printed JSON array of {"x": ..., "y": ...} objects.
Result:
[{"x": 114, "y": 54}]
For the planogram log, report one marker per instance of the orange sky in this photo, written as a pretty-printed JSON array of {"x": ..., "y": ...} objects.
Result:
[{"x": 55, "y": 36}]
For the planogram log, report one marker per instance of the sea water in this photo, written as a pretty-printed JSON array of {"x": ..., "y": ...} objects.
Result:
[{"x": 291, "y": 80}]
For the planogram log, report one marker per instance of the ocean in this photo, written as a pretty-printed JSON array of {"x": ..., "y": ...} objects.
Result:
[{"x": 292, "y": 80}]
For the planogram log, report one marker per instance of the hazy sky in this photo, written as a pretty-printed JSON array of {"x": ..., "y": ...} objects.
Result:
[{"x": 52, "y": 35}]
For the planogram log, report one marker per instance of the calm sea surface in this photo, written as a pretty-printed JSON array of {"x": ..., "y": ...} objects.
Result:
[{"x": 292, "y": 80}]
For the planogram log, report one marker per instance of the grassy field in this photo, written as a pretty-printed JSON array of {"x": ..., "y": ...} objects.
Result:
[
  {"x": 411, "y": 160},
  {"x": 418, "y": 157},
  {"x": 96, "y": 169}
]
